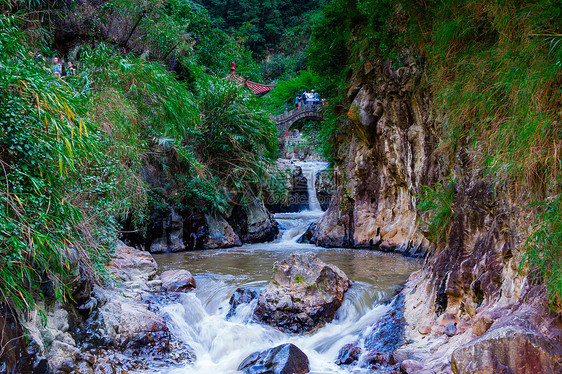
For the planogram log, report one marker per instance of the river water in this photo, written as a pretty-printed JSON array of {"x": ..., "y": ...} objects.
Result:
[{"x": 198, "y": 318}]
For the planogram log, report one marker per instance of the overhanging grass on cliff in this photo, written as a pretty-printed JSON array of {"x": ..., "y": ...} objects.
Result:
[
  {"x": 497, "y": 78},
  {"x": 496, "y": 71}
]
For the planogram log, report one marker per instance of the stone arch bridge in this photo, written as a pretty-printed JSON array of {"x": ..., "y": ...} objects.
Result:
[{"x": 289, "y": 118}]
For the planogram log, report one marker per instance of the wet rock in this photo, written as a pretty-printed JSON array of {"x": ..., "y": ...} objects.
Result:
[
  {"x": 88, "y": 306},
  {"x": 63, "y": 357},
  {"x": 296, "y": 184},
  {"x": 177, "y": 281},
  {"x": 335, "y": 228},
  {"x": 387, "y": 246},
  {"x": 348, "y": 354},
  {"x": 15, "y": 358},
  {"x": 221, "y": 234},
  {"x": 481, "y": 325},
  {"x": 377, "y": 360},
  {"x": 169, "y": 232},
  {"x": 324, "y": 188},
  {"x": 451, "y": 328},
  {"x": 304, "y": 294},
  {"x": 133, "y": 266},
  {"x": 388, "y": 332},
  {"x": 410, "y": 366},
  {"x": 253, "y": 223},
  {"x": 386, "y": 335},
  {"x": 139, "y": 327},
  {"x": 283, "y": 359},
  {"x": 241, "y": 296},
  {"x": 104, "y": 368},
  {"x": 515, "y": 347},
  {"x": 424, "y": 330}
]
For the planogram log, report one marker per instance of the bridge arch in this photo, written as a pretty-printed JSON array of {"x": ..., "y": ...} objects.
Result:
[{"x": 288, "y": 119}]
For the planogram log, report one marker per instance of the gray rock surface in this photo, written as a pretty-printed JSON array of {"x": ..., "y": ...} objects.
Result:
[
  {"x": 283, "y": 359},
  {"x": 297, "y": 190},
  {"x": 221, "y": 234},
  {"x": 177, "y": 281},
  {"x": 132, "y": 266},
  {"x": 304, "y": 294}
]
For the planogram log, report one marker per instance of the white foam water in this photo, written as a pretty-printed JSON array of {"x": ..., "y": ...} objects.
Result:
[{"x": 199, "y": 319}]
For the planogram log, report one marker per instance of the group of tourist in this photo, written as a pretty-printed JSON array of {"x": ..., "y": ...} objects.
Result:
[
  {"x": 58, "y": 67},
  {"x": 307, "y": 98}
]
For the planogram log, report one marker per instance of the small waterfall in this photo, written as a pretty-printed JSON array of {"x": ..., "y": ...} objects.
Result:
[{"x": 310, "y": 169}]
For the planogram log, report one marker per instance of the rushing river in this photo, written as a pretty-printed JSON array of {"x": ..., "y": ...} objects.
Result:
[{"x": 198, "y": 318}]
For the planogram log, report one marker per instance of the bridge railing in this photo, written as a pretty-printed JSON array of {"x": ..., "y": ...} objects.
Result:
[{"x": 300, "y": 109}]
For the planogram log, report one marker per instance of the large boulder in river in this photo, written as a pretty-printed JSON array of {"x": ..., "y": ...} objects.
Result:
[
  {"x": 177, "y": 281},
  {"x": 138, "y": 327},
  {"x": 239, "y": 297},
  {"x": 304, "y": 294},
  {"x": 283, "y": 359}
]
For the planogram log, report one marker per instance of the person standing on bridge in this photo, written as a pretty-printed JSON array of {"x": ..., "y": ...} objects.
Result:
[{"x": 297, "y": 101}]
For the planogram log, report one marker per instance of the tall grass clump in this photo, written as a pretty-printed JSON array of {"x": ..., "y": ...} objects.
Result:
[
  {"x": 544, "y": 248},
  {"x": 494, "y": 66},
  {"x": 436, "y": 202},
  {"x": 211, "y": 138},
  {"x": 55, "y": 180}
]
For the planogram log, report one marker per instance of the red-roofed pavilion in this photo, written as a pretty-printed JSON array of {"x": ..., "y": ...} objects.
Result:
[{"x": 257, "y": 88}]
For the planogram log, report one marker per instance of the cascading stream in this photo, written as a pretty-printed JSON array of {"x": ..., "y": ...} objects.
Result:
[
  {"x": 310, "y": 169},
  {"x": 198, "y": 318}
]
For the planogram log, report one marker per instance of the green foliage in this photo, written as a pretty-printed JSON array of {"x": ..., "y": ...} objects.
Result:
[
  {"x": 260, "y": 24},
  {"x": 72, "y": 152},
  {"x": 47, "y": 148},
  {"x": 211, "y": 138},
  {"x": 285, "y": 92},
  {"x": 236, "y": 139},
  {"x": 437, "y": 203},
  {"x": 176, "y": 27},
  {"x": 544, "y": 248}
]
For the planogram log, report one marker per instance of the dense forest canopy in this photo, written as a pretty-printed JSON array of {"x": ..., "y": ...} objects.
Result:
[{"x": 262, "y": 25}]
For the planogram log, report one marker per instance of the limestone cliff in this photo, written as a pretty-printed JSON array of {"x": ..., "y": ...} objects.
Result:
[
  {"x": 471, "y": 308},
  {"x": 384, "y": 158}
]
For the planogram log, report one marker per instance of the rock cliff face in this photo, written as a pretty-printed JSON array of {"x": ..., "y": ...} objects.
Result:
[
  {"x": 172, "y": 229},
  {"x": 383, "y": 160},
  {"x": 470, "y": 308}
]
